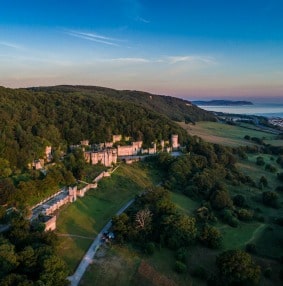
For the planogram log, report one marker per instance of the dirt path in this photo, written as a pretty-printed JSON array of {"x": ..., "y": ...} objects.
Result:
[
  {"x": 74, "y": 235},
  {"x": 88, "y": 257},
  {"x": 256, "y": 232}
]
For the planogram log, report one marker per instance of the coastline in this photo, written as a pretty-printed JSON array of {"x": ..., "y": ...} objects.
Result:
[{"x": 266, "y": 110}]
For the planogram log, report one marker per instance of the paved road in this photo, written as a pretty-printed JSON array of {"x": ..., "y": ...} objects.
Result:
[{"x": 87, "y": 259}]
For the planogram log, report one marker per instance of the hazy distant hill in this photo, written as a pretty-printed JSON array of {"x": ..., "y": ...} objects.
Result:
[
  {"x": 221, "y": 103},
  {"x": 32, "y": 118}
]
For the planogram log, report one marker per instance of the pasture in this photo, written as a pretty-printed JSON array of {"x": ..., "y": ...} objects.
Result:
[
  {"x": 79, "y": 222},
  {"x": 228, "y": 135}
]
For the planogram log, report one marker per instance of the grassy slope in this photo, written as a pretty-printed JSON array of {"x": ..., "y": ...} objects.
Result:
[
  {"x": 225, "y": 134},
  {"x": 88, "y": 215}
]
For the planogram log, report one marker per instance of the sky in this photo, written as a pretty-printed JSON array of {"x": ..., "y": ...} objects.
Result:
[{"x": 194, "y": 49}]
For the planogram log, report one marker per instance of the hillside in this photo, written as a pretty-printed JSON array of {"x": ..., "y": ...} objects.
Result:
[
  {"x": 33, "y": 118},
  {"x": 175, "y": 108}
]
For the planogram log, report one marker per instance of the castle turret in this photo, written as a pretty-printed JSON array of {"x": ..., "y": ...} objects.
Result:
[
  {"x": 174, "y": 141},
  {"x": 72, "y": 194}
]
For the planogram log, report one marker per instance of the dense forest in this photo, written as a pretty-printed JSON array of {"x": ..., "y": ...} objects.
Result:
[{"x": 33, "y": 118}]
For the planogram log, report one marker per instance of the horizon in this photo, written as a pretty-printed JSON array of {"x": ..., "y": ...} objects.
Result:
[{"x": 192, "y": 50}]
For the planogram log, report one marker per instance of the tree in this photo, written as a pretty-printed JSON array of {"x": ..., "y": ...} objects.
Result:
[
  {"x": 179, "y": 230},
  {"x": 221, "y": 200},
  {"x": 260, "y": 161},
  {"x": 121, "y": 227},
  {"x": 239, "y": 200},
  {"x": 263, "y": 181},
  {"x": 143, "y": 219},
  {"x": 270, "y": 198},
  {"x": 211, "y": 237},
  {"x": 8, "y": 257},
  {"x": 5, "y": 169},
  {"x": 237, "y": 268},
  {"x": 245, "y": 215},
  {"x": 54, "y": 272}
]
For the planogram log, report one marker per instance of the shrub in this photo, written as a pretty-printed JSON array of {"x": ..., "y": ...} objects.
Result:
[
  {"x": 229, "y": 218},
  {"x": 263, "y": 181},
  {"x": 245, "y": 215},
  {"x": 260, "y": 161},
  {"x": 279, "y": 189},
  {"x": 270, "y": 199},
  {"x": 251, "y": 248},
  {"x": 211, "y": 237},
  {"x": 270, "y": 168},
  {"x": 149, "y": 248},
  {"x": 181, "y": 254},
  {"x": 199, "y": 272},
  {"x": 267, "y": 272},
  {"x": 239, "y": 200},
  {"x": 180, "y": 267}
]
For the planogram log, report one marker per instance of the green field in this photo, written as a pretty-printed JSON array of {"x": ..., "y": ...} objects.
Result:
[
  {"x": 220, "y": 133},
  {"x": 83, "y": 219},
  {"x": 123, "y": 265}
]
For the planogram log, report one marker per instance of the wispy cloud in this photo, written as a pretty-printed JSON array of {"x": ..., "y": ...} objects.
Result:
[
  {"x": 95, "y": 38},
  {"x": 190, "y": 59},
  {"x": 129, "y": 60},
  {"x": 143, "y": 20},
  {"x": 10, "y": 45}
]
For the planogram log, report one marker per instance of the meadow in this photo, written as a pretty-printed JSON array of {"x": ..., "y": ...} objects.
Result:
[
  {"x": 124, "y": 265},
  {"x": 228, "y": 135},
  {"x": 79, "y": 223}
]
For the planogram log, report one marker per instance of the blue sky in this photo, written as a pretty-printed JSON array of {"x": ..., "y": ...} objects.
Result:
[{"x": 191, "y": 49}]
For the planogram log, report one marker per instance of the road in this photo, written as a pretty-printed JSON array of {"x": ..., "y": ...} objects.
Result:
[{"x": 88, "y": 257}]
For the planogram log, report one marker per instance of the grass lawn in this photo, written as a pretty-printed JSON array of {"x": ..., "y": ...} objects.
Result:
[
  {"x": 88, "y": 215},
  {"x": 237, "y": 238},
  {"x": 184, "y": 203},
  {"x": 225, "y": 134}
]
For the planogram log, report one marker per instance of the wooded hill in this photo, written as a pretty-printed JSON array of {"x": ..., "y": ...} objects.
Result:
[{"x": 62, "y": 115}]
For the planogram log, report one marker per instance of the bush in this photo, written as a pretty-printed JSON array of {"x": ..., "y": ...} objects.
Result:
[
  {"x": 149, "y": 248},
  {"x": 260, "y": 161},
  {"x": 239, "y": 200},
  {"x": 267, "y": 272},
  {"x": 210, "y": 237},
  {"x": 181, "y": 254},
  {"x": 279, "y": 189},
  {"x": 270, "y": 168},
  {"x": 270, "y": 199},
  {"x": 200, "y": 273},
  {"x": 251, "y": 248},
  {"x": 229, "y": 218},
  {"x": 260, "y": 218},
  {"x": 245, "y": 215},
  {"x": 180, "y": 267},
  {"x": 263, "y": 181},
  {"x": 280, "y": 176}
]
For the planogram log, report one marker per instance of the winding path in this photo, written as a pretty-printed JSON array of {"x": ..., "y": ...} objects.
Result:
[{"x": 88, "y": 257}]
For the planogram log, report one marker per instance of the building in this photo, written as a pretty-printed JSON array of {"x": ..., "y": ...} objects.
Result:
[
  {"x": 48, "y": 153},
  {"x": 130, "y": 150},
  {"x": 106, "y": 157},
  {"x": 116, "y": 138}
]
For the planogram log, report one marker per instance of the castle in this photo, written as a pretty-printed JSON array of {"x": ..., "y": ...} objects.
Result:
[{"x": 107, "y": 155}]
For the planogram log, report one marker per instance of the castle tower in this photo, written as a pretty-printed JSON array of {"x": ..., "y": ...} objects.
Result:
[
  {"x": 72, "y": 194},
  {"x": 162, "y": 143},
  {"x": 174, "y": 141}
]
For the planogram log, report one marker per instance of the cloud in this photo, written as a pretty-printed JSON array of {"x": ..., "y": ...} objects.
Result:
[
  {"x": 190, "y": 59},
  {"x": 10, "y": 45},
  {"x": 94, "y": 38},
  {"x": 129, "y": 60},
  {"x": 143, "y": 20}
]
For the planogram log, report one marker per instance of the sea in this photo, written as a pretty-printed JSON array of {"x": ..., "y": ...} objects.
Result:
[{"x": 269, "y": 110}]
